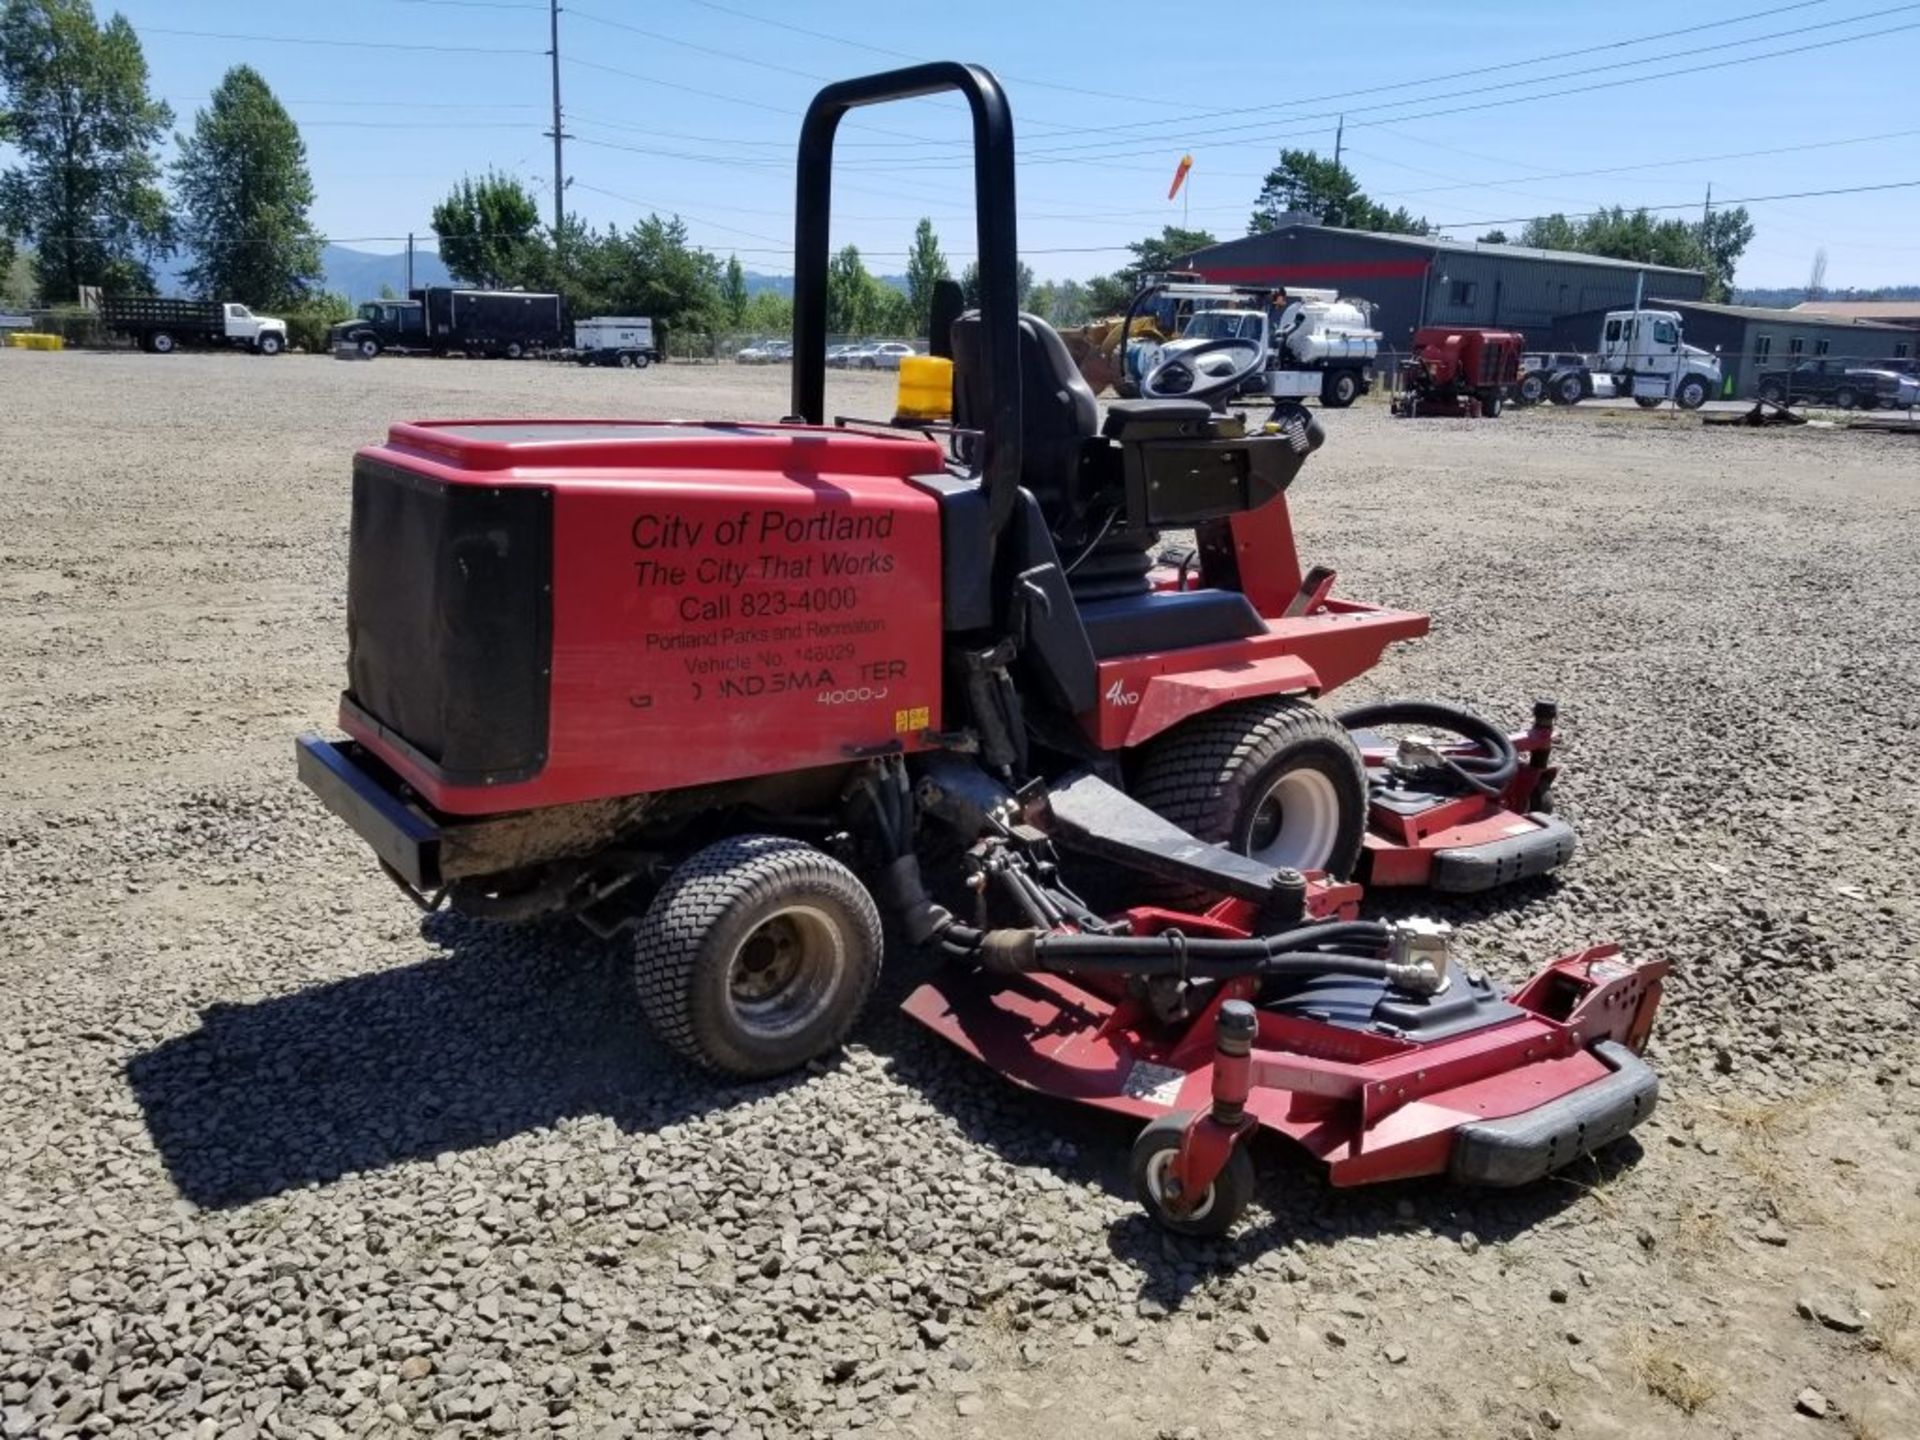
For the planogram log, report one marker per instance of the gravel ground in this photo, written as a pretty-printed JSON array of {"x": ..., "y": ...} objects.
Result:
[{"x": 280, "y": 1158}]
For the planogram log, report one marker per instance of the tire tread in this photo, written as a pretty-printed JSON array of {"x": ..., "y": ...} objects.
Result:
[{"x": 743, "y": 871}]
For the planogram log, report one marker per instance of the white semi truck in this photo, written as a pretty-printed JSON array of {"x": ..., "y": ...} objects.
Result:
[
  {"x": 1642, "y": 354},
  {"x": 1315, "y": 343}
]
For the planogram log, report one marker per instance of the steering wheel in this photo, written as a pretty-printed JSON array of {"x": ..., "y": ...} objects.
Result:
[{"x": 1173, "y": 366}]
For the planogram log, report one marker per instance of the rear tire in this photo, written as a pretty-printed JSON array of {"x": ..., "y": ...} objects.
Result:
[
  {"x": 1214, "y": 1213},
  {"x": 161, "y": 342},
  {"x": 642, "y": 360},
  {"x": 626, "y": 360},
  {"x": 1339, "y": 389},
  {"x": 1649, "y": 402},
  {"x": 1533, "y": 389},
  {"x": 1773, "y": 394},
  {"x": 757, "y": 956},
  {"x": 1492, "y": 405},
  {"x": 1276, "y": 778},
  {"x": 1568, "y": 390},
  {"x": 515, "y": 350},
  {"x": 1845, "y": 398}
]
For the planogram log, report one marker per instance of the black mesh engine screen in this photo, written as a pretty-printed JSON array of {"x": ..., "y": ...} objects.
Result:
[{"x": 450, "y": 619}]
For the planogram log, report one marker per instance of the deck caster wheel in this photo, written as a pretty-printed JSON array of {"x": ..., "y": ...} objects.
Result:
[
  {"x": 757, "y": 955},
  {"x": 1208, "y": 1215},
  {"x": 1275, "y": 778}
]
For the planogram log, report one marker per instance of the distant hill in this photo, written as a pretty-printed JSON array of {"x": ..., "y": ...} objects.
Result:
[
  {"x": 356, "y": 274},
  {"x": 359, "y": 274},
  {"x": 783, "y": 284},
  {"x": 1787, "y": 296}
]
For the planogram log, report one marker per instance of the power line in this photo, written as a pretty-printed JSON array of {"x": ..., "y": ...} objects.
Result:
[
  {"x": 336, "y": 44},
  {"x": 1134, "y": 99},
  {"x": 1078, "y": 155}
]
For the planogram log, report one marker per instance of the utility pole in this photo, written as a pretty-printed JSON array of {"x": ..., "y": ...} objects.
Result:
[
  {"x": 559, "y": 163},
  {"x": 1339, "y": 133},
  {"x": 409, "y": 262},
  {"x": 1706, "y": 210}
]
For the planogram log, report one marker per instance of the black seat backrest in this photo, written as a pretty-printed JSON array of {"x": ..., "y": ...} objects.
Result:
[{"x": 1058, "y": 411}]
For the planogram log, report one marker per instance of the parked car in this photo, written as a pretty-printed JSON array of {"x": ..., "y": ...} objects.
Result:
[
  {"x": 1816, "y": 382},
  {"x": 765, "y": 352},
  {"x": 850, "y": 356},
  {"x": 837, "y": 355},
  {"x": 885, "y": 356}
]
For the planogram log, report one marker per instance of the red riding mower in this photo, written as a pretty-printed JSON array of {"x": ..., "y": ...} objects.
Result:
[{"x": 744, "y": 688}]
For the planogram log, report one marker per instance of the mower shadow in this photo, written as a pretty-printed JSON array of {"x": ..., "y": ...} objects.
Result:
[{"x": 507, "y": 1030}]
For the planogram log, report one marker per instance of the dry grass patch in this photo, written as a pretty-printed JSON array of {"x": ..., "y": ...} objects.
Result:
[{"x": 1688, "y": 1388}]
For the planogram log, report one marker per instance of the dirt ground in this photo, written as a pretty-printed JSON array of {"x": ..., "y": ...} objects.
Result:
[{"x": 259, "y": 1119}]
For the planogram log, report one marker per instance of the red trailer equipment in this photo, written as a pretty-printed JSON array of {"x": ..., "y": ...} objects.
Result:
[
  {"x": 731, "y": 685},
  {"x": 1459, "y": 371}
]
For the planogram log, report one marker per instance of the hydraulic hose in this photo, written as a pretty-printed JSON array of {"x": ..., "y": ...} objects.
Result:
[{"x": 1489, "y": 774}]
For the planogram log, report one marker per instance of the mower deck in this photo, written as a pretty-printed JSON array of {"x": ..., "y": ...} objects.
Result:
[{"x": 1499, "y": 1094}]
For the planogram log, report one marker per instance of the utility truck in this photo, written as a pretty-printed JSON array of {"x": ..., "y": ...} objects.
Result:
[
  {"x": 1642, "y": 354},
  {"x": 1295, "y": 343},
  {"x": 623, "y": 340},
  {"x": 443, "y": 320},
  {"x": 160, "y": 325}
]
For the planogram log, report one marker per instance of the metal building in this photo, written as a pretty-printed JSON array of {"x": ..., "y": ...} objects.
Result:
[
  {"x": 1755, "y": 338},
  {"x": 1415, "y": 280}
]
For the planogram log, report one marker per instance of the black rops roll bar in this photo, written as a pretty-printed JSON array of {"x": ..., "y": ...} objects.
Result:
[{"x": 993, "y": 202}]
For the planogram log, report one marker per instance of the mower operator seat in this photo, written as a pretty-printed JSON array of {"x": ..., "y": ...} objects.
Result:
[{"x": 1070, "y": 467}]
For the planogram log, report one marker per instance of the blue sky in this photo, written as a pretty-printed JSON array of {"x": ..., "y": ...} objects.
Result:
[{"x": 691, "y": 106}]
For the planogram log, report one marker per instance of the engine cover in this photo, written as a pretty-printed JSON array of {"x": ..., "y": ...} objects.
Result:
[{"x": 543, "y": 612}]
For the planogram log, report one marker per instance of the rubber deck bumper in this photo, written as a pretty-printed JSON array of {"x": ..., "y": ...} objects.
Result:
[
  {"x": 1485, "y": 867},
  {"x": 1536, "y": 1142}
]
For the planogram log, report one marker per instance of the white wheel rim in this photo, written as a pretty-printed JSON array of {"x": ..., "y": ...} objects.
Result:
[
  {"x": 1296, "y": 822},
  {"x": 1157, "y": 1169},
  {"x": 785, "y": 972}
]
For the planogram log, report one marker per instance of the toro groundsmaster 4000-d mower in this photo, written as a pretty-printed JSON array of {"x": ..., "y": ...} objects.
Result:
[{"x": 742, "y": 689}]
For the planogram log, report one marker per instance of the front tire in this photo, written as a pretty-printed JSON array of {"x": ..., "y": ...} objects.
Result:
[
  {"x": 1845, "y": 398},
  {"x": 1773, "y": 394},
  {"x": 1275, "y": 778},
  {"x": 270, "y": 345},
  {"x": 757, "y": 956},
  {"x": 1339, "y": 389},
  {"x": 1691, "y": 393},
  {"x": 1492, "y": 405},
  {"x": 1209, "y": 1216},
  {"x": 368, "y": 347},
  {"x": 515, "y": 350}
]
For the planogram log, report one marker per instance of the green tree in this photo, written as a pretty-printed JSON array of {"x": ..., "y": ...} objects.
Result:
[
  {"x": 853, "y": 302},
  {"x": 1307, "y": 182},
  {"x": 1494, "y": 237},
  {"x": 489, "y": 231},
  {"x": 1061, "y": 303},
  {"x": 244, "y": 192},
  {"x": 659, "y": 273},
  {"x": 1724, "y": 237},
  {"x": 926, "y": 267},
  {"x": 1111, "y": 294},
  {"x": 970, "y": 283},
  {"x": 733, "y": 294},
  {"x": 769, "y": 313},
  {"x": 1714, "y": 245},
  {"x": 85, "y": 192}
]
